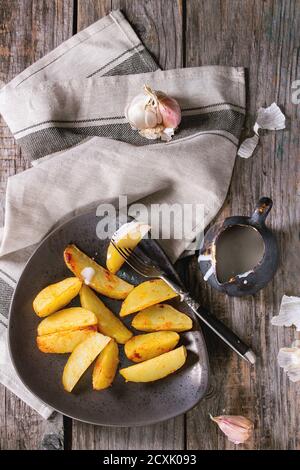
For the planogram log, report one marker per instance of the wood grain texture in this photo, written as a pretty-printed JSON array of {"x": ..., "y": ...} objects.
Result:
[
  {"x": 168, "y": 435},
  {"x": 264, "y": 37},
  {"x": 151, "y": 21},
  {"x": 29, "y": 29}
]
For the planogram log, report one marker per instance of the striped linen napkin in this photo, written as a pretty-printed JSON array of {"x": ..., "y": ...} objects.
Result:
[{"x": 66, "y": 112}]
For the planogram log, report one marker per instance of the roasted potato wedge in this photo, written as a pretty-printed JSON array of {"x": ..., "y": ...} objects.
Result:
[
  {"x": 81, "y": 358},
  {"x": 98, "y": 277},
  {"x": 162, "y": 317},
  {"x": 63, "y": 341},
  {"x": 146, "y": 294},
  {"x": 156, "y": 368},
  {"x": 106, "y": 366},
  {"x": 56, "y": 296},
  {"x": 74, "y": 318},
  {"x": 127, "y": 236},
  {"x": 143, "y": 347},
  {"x": 108, "y": 323}
]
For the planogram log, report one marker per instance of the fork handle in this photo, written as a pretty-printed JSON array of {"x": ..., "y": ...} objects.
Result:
[{"x": 228, "y": 336}]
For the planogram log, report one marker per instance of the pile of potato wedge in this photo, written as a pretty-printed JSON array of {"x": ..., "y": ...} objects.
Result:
[{"x": 92, "y": 332}]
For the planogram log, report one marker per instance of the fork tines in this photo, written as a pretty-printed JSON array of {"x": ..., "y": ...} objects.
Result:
[{"x": 139, "y": 264}]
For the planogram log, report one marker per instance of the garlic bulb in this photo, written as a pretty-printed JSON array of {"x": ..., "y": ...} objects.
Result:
[
  {"x": 237, "y": 428},
  {"x": 289, "y": 313},
  {"x": 154, "y": 114}
]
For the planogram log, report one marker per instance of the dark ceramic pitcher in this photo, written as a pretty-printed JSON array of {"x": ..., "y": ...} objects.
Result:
[{"x": 239, "y": 256}]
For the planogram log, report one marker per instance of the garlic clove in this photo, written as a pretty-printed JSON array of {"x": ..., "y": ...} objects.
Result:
[
  {"x": 154, "y": 114},
  {"x": 237, "y": 428},
  {"x": 289, "y": 313},
  {"x": 151, "y": 118},
  {"x": 271, "y": 118}
]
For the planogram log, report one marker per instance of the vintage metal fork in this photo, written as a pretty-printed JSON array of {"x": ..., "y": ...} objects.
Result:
[{"x": 148, "y": 268}]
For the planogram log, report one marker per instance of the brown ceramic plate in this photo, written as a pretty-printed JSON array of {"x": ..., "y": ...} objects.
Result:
[{"x": 123, "y": 404}]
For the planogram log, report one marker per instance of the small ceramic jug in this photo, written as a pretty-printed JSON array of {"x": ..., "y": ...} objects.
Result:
[{"x": 239, "y": 256}]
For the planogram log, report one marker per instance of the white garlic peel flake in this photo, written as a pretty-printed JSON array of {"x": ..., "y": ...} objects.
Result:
[
  {"x": 289, "y": 360},
  {"x": 271, "y": 119},
  {"x": 153, "y": 114},
  {"x": 289, "y": 313}
]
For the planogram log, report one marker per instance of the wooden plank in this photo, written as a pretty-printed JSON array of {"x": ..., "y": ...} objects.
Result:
[
  {"x": 168, "y": 435},
  {"x": 264, "y": 37},
  {"x": 29, "y": 29},
  {"x": 159, "y": 25}
]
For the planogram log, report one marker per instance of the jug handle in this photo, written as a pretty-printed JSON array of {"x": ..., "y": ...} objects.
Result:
[{"x": 262, "y": 209}]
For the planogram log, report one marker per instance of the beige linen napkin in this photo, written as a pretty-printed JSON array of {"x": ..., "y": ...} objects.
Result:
[{"x": 67, "y": 113}]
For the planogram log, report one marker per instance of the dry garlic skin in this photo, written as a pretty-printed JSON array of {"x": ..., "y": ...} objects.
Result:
[
  {"x": 289, "y": 313},
  {"x": 140, "y": 114},
  {"x": 170, "y": 111},
  {"x": 143, "y": 347},
  {"x": 56, "y": 296}
]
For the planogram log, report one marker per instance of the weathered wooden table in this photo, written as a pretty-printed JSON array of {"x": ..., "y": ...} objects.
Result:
[{"x": 264, "y": 37}]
